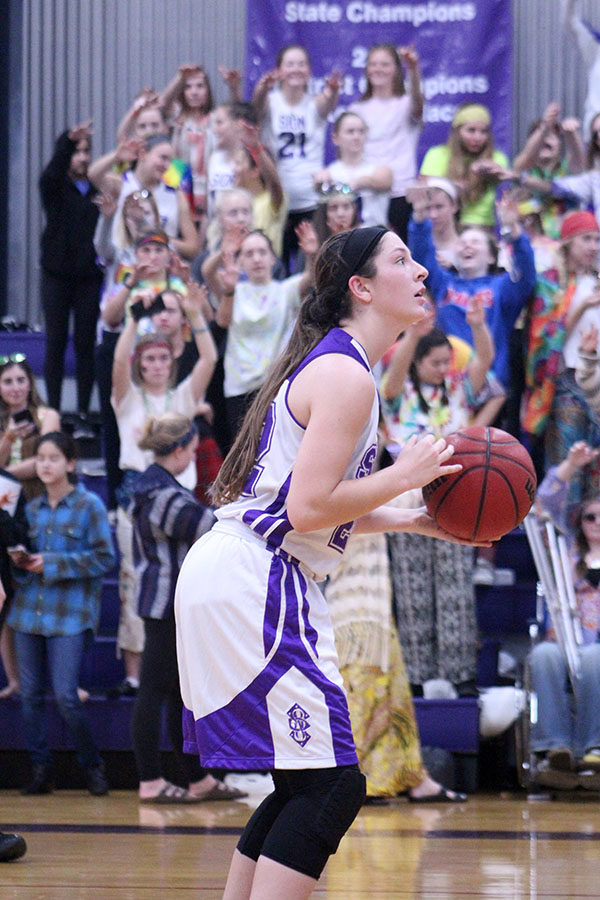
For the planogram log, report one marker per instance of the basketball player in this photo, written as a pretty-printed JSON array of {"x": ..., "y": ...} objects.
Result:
[{"x": 257, "y": 661}]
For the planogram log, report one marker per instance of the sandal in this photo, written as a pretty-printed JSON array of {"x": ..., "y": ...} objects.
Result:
[
  {"x": 172, "y": 793},
  {"x": 444, "y": 795},
  {"x": 220, "y": 791}
]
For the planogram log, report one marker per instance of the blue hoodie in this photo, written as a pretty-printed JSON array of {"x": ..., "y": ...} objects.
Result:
[{"x": 503, "y": 297}]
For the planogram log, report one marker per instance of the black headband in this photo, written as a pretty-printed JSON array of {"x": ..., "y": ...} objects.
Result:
[
  {"x": 181, "y": 442},
  {"x": 358, "y": 246}
]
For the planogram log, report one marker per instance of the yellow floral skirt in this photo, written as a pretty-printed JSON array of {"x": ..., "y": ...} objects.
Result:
[{"x": 384, "y": 726}]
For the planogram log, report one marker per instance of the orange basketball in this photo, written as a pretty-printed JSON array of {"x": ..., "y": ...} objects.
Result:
[{"x": 493, "y": 493}]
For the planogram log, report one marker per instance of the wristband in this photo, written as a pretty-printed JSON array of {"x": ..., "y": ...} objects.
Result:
[{"x": 199, "y": 330}]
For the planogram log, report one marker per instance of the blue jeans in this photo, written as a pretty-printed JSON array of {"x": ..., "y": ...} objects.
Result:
[
  {"x": 556, "y": 725},
  {"x": 63, "y": 654}
]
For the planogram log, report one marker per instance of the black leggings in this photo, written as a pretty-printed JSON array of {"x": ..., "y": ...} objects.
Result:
[
  {"x": 303, "y": 821},
  {"x": 59, "y": 297},
  {"x": 159, "y": 684}
]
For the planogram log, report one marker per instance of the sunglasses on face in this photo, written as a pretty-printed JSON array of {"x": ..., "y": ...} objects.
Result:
[
  {"x": 590, "y": 517},
  {"x": 12, "y": 358}
]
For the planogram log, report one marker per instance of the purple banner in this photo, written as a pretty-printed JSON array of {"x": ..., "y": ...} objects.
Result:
[{"x": 465, "y": 50}]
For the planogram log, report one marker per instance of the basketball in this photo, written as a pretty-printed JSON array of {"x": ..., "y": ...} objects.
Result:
[{"x": 493, "y": 493}]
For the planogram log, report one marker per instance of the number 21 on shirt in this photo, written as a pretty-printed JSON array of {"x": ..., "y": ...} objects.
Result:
[{"x": 291, "y": 145}]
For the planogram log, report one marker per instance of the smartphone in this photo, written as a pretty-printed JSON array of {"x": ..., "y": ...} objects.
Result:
[
  {"x": 19, "y": 555},
  {"x": 156, "y": 306},
  {"x": 23, "y": 416},
  {"x": 139, "y": 311}
]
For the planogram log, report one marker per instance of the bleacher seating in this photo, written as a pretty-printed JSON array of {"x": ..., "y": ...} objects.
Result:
[{"x": 450, "y": 724}]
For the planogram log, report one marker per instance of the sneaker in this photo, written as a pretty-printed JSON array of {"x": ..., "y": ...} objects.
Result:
[
  {"x": 96, "y": 780},
  {"x": 42, "y": 781},
  {"x": 124, "y": 689},
  {"x": 12, "y": 846},
  {"x": 484, "y": 572}
]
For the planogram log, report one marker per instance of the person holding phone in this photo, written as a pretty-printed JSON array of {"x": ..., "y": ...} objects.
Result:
[
  {"x": 13, "y": 533},
  {"x": 23, "y": 417},
  {"x": 143, "y": 387},
  {"x": 56, "y": 607}
]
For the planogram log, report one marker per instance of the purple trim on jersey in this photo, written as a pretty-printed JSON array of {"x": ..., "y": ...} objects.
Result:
[
  {"x": 261, "y": 520},
  {"x": 335, "y": 341},
  {"x": 310, "y": 632},
  {"x": 272, "y": 610},
  {"x": 239, "y": 734},
  {"x": 264, "y": 446}
]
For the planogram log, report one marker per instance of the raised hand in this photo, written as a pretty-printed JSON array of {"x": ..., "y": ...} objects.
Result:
[
  {"x": 570, "y": 125},
  {"x": 507, "y": 210},
  {"x": 229, "y": 274},
  {"x": 107, "y": 203},
  {"x": 333, "y": 81},
  {"x": 409, "y": 56},
  {"x": 129, "y": 150},
  {"x": 179, "y": 269},
  {"x": 232, "y": 78},
  {"x": 232, "y": 240},
  {"x": 186, "y": 70},
  {"x": 81, "y": 132},
  {"x": 268, "y": 81},
  {"x": 423, "y": 326},
  {"x": 551, "y": 114},
  {"x": 475, "y": 313},
  {"x": 580, "y": 454},
  {"x": 195, "y": 300},
  {"x": 307, "y": 238}
]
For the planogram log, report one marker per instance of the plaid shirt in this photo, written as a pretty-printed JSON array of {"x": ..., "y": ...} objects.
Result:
[{"x": 76, "y": 543}]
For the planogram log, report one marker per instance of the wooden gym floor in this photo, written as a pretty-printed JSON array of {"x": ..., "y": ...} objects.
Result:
[{"x": 113, "y": 848}]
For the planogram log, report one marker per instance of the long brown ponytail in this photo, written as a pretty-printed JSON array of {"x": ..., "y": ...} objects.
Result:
[{"x": 326, "y": 306}]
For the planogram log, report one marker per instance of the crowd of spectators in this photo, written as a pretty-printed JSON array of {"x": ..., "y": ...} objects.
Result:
[{"x": 183, "y": 254}]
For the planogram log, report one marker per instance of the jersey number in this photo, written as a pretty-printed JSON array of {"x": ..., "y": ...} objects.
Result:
[{"x": 292, "y": 145}]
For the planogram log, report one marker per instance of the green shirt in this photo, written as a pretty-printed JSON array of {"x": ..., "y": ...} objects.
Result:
[{"x": 482, "y": 211}]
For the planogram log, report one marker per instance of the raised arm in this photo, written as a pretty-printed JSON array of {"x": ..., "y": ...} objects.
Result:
[
  {"x": 100, "y": 172},
  {"x": 53, "y": 176},
  {"x": 410, "y": 58},
  {"x": 396, "y": 373},
  {"x": 260, "y": 97},
  {"x": 207, "y": 352},
  {"x": 166, "y": 98},
  {"x": 188, "y": 244},
  {"x": 121, "y": 373},
  {"x": 327, "y": 100},
  {"x": 483, "y": 343},
  {"x": 526, "y": 159},
  {"x": 420, "y": 242},
  {"x": 146, "y": 98},
  {"x": 574, "y": 149},
  {"x": 264, "y": 163},
  {"x": 380, "y": 180}
]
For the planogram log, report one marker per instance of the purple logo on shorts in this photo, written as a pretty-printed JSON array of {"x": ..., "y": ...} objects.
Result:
[{"x": 298, "y": 721}]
